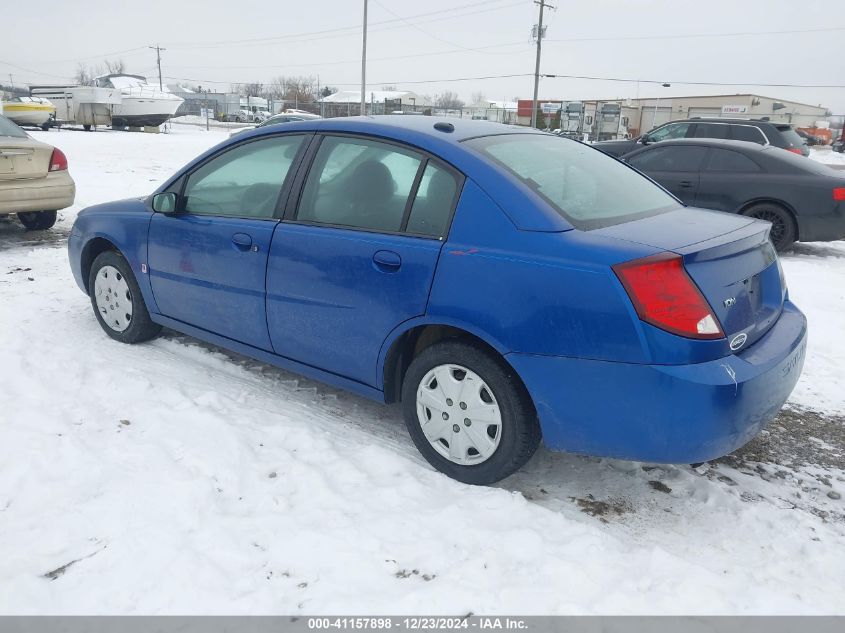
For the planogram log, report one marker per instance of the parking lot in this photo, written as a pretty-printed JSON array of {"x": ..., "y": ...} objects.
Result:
[{"x": 175, "y": 477}]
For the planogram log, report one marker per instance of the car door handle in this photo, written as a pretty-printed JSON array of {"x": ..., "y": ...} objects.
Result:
[
  {"x": 243, "y": 242},
  {"x": 686, "y": 184},
  {"x": 387, "y": 261}
]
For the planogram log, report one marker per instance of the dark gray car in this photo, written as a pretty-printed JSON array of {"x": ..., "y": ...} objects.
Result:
[
  {"x": 803, "y": 199},
  {"x": 780, "y": 135}
]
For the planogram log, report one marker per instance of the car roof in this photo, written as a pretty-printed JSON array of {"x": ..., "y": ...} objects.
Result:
[
  {"x": 444, "y": 144},
  {"x": 711, "y": 142},
  {"x": 725, "y": 120},
  {"x": 400, "y": 127}
]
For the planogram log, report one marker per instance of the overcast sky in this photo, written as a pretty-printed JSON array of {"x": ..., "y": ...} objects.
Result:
[{"x": 413, "y": 41}]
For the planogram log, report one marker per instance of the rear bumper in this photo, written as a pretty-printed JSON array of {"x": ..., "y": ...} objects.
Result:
[
  {"x": 56, "y": 191},
  {"x": 665, "y": 413}
]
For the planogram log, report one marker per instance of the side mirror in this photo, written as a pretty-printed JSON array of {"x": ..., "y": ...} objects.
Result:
[
  {"x": 644, "y": 139},
  {"x": 164, "y": 202}
]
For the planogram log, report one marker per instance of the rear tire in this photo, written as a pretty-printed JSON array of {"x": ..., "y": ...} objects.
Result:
[
  {"x": 505, "y": 430},
  {"x": 784, "y": 232},
  {"x": 37, "y": 220},
  {"x": 117, "y": 300}
]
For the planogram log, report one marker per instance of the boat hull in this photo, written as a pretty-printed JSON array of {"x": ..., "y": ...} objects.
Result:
[
  {"x": 139, "y": 120},
  {"x": 144, "y": 110},
  {"x": 28, "y": 114}
]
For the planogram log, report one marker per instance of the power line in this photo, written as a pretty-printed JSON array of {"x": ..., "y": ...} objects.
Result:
[
  {"x": 372, "y": 59},
  {"x": 403, "y": 82},
  {"x": 82, "y": 59},
  {"x": 428, "y": 33},
  {"x": 628, "y": 38},
  {"x": 352, "y": 30},
  {"x": 549, "y": 76},
  {"x": 693, "y": 83},
  {"x": 34, "y": 72}
]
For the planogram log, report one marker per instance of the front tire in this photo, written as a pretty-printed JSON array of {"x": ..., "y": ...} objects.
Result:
[
  {"x": 468, "y": 413},
  {"x": 117, "y": 300},
  {"x": 37, "y": 220},
  {"x": 784, "y": 232}
]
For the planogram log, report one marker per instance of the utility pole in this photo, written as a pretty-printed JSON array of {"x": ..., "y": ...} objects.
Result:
[
  {"x": 158, "y": 50},
  {"x": 364, "y": 64},
  {"x": 543, "y": 5}
]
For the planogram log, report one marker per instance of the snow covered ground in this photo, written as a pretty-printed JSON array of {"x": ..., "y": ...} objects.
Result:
[
  {"x": 173, "y": 477},
  {"x": 827, "y": 155}
]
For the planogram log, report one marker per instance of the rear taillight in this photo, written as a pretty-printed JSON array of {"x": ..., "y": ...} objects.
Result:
[
  {"x": 664, "y": 296},
  {"x": 839, "y": 194},
  {"x": 794, "y": 150},
  {"x": 58, "y": 161}
]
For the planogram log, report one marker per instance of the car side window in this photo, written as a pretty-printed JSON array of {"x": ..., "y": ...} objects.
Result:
[
  {"x": 433, "y": 203},
  {"x": 670, "y": 159},
  {"x": 748, "y": 133},
  {"x": 244, "y": 181},
  {"x": 359, "y": 183},
  {"x": 672, "y": 130},
  {"x": 711, "y": 130},
  {"x": 727, "y": 160}
]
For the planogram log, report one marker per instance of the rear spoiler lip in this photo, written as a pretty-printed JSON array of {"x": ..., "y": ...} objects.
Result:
[{"x": 746, "y": 237}]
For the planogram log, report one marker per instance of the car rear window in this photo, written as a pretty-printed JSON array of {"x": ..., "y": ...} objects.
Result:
[
  {"x": 586, "y": 186},
  {"x": 790, "y": 136},
  {"x": 7, "y": 128}
]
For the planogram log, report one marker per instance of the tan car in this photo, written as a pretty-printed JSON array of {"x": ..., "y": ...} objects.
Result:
[{"x": 34, "y": 180}]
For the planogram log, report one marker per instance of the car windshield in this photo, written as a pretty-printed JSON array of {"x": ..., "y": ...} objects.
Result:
[
  {"x": 7, "y": 128},
  {"x": 587, "y": 187}
]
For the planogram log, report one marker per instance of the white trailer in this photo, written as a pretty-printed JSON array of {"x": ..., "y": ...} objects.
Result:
[{"x": 80, "y": 105}]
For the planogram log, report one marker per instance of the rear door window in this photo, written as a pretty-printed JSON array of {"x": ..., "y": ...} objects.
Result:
[
  {"x": 748, "y": 133},
  {"x": 727, "y": 160},
  {"x": 671, "y": 159},
  {"x": 433, "y": 203},
  {"x": 359, "y": 183},
  {"x": 711, "y": 130}
]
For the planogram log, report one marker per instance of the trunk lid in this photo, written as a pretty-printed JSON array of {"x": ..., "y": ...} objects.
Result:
[
  {"x": 23, "y": 158},
  {"x": 729, "y": 257}
]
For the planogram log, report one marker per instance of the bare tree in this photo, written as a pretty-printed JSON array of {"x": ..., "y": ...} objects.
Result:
[
  {"x": 115, "y": 67},
  {"x": 254, "y": 89},
  {"x": 85, "y": 74},
  {"x": 478, "y": 98},
  {"x": 294, "y": 90},
  {"x": 448, "y": 100}
]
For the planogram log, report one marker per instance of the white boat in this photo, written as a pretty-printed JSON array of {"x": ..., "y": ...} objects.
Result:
[
  {"x": 33, "y": 111},
  {"x": 142, "y": 103}
]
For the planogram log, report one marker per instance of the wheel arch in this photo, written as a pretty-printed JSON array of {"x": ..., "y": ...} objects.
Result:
[
  {"x": 781, "y": 203},
  {"x": 94, "y": 247},
  {"x": 406, "y": 342}
]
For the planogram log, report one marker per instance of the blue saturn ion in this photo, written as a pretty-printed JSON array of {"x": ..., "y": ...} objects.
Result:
[{"x": 505, "y": 285}]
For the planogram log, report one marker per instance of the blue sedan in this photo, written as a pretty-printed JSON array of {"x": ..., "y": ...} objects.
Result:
[{"x": 507, "y": 286}]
